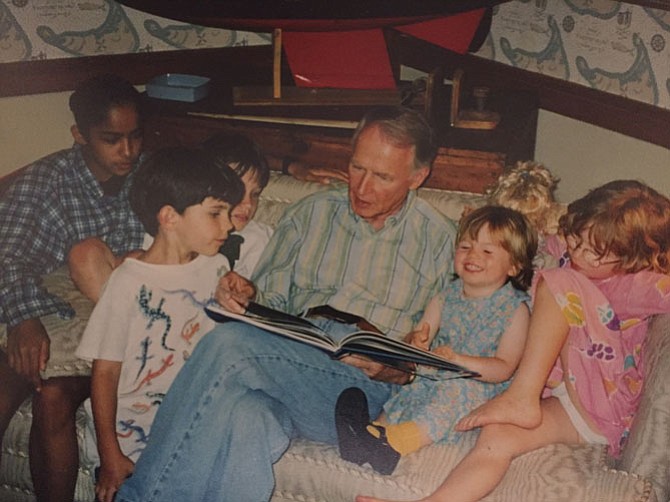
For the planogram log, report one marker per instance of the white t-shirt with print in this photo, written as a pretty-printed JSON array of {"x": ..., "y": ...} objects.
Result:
[{"x": 149, "y": 318}]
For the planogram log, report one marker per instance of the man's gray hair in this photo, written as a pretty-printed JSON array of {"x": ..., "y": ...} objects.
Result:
[{"x": 404, "y": 128}]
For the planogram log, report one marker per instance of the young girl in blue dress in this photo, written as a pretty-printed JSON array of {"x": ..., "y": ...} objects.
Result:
[{"x": 479, "y": 322}]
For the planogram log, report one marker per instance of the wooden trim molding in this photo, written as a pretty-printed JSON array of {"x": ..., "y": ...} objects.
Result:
[
  {"x": 241, "y": 65},
  {"x": 253, "y": 66},
  {"x": 652, "y": 4}
]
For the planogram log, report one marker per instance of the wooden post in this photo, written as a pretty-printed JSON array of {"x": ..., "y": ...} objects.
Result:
[
  {"x": 455, "y": 97},
  {"x": 276, "y": 64}
]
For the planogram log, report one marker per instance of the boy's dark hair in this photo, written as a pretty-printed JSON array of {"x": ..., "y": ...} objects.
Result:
[
  {"x": 239, "y": 152},
  {"x": 180, "y": 177},
  {"x": 92, "y": 99}
]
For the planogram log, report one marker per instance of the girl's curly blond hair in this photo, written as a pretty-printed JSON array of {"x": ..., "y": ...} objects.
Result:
[{"x": 528, "y": 187}]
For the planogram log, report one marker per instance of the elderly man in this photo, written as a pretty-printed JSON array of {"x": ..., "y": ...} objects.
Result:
[{"x": 370, "y": 254}]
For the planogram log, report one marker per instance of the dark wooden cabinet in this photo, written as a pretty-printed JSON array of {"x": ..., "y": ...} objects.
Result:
[{"x": 468, "y": 160}]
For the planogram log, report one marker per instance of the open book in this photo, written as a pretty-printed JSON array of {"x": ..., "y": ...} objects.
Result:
[{"x": 368, "y": 343}]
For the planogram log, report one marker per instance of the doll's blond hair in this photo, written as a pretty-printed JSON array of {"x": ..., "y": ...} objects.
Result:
[{"x": 528, "y": 187}]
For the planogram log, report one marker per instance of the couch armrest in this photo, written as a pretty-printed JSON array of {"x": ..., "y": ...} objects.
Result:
[{"x": 648, "y": 450}]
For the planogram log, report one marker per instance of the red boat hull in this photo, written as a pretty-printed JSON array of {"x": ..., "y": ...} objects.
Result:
[
  {"x": 305, "y": 15},
  {"x": 335, "y": 43}
]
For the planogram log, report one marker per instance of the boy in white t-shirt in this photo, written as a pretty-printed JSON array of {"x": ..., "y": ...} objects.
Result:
[
  {"x": 150, "y": 314},
  {"x": 243, "y": 155}
]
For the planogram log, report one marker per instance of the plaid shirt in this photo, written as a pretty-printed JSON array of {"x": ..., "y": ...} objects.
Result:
[
  {"x": 55, "y": 203},
  {"x": 323, "y": 253}
]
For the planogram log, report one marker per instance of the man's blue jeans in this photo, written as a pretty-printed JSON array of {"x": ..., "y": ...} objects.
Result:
[{"x": 232, "y": 410}]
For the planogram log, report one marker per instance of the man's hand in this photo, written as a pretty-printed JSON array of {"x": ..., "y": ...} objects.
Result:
[
  {"x": 323, "y": 175},
  {"x": 376, "y": 371},
  {"x": 234, "y": 292},
  {"x": 28, "y": 350}
]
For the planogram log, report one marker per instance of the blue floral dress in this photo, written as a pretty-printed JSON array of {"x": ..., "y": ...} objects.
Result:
[{"x": 470, "y": 326}]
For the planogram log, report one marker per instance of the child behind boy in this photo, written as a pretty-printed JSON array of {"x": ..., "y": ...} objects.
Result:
[
  {"x": 243, "y": 155},
  {"x": 150, "y": 314},
  {"x": 91, "y": 262}
]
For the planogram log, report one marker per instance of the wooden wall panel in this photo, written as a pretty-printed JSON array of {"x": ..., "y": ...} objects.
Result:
[
  {"x": 239, "y": 65},
  {"x": 454, "y": 169}
]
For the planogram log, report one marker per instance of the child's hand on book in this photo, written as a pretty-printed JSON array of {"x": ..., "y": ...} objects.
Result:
[
  {"x": 420, "y": 337},
  {"x": 446, "y": 351},
  {"x": 234, "y": 292}
]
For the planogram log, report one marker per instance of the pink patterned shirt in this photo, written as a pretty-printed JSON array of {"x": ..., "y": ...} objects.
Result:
[{"x": 608, "y": 324}]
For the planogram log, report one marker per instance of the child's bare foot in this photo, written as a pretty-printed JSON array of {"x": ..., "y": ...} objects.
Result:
[{"x": 503, "y": 409}]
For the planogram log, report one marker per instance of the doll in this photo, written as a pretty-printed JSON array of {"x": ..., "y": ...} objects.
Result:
[{"x": 529, "y": 188}]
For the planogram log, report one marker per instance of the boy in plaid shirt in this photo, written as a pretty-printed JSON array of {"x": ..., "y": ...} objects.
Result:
[{"x": 51, "y": 205}]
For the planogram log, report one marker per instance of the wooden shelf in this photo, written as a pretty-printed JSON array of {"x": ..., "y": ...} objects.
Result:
[
  {"x": 292, "y": 96},
  {"x": 653, "y": 4},
  {"x": 320, "y": 135}
]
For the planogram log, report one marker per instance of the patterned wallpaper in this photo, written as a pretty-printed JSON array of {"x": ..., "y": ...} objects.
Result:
[
  {"x": 51, "y": 29},
  {"x": 608, "y": 45},
  {"x": 612, "y": 46}
]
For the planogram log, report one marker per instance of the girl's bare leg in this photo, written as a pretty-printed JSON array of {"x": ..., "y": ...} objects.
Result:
[
  {"x": 482, "y": 469},
  {"x": 520, "y": 403},
  {"x": 91, "y": 262}
]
